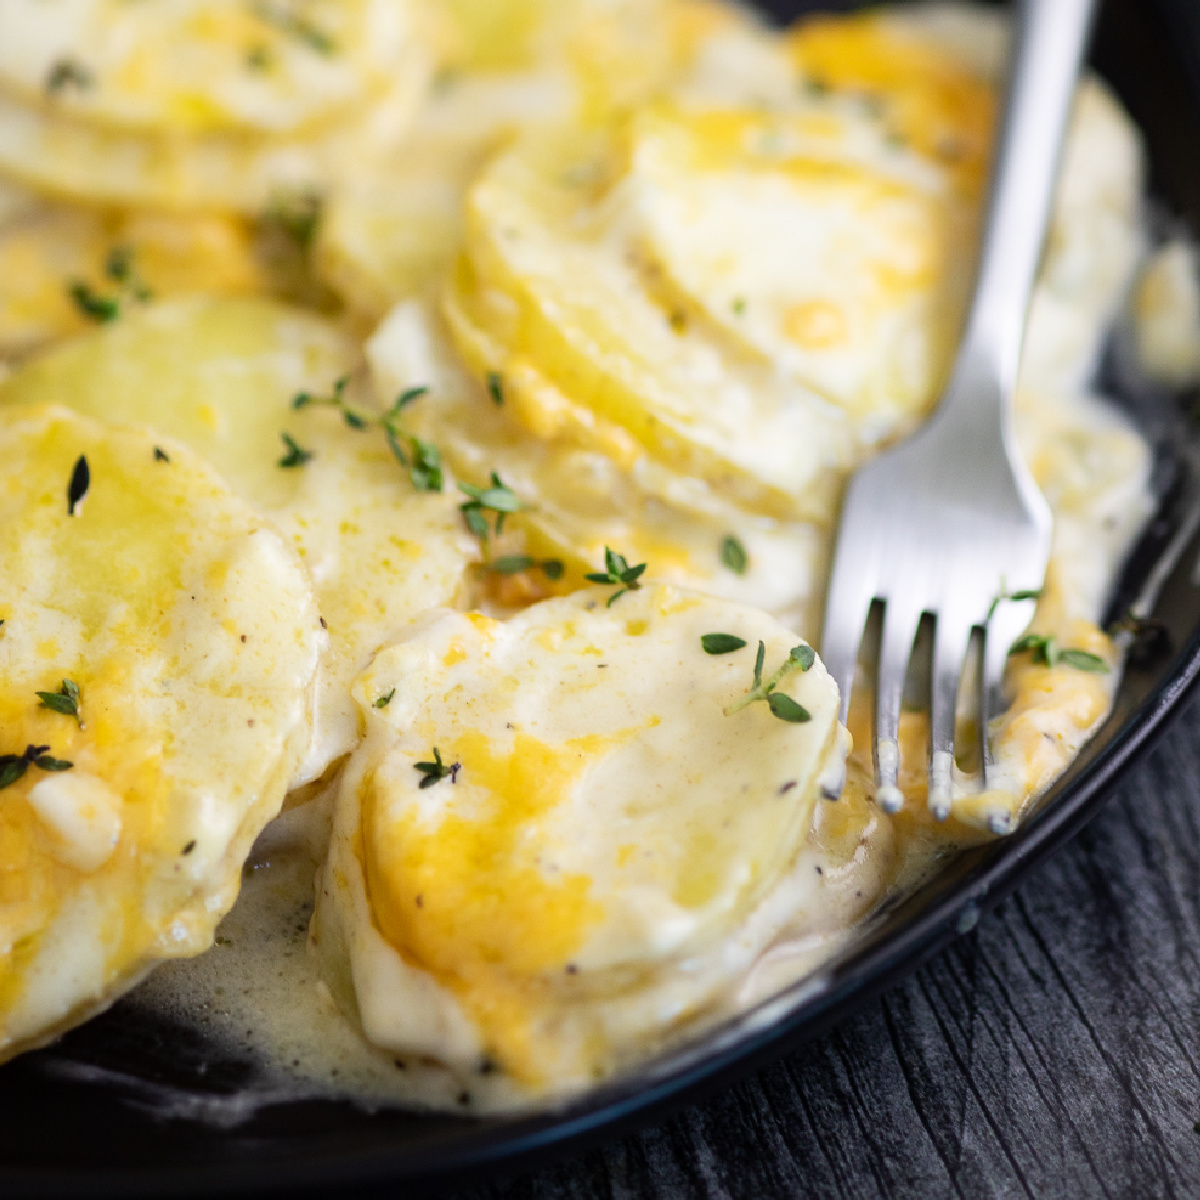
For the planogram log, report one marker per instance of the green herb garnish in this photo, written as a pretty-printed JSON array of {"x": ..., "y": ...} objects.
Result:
[
  {"x": 66, "y": 72},
  {"x": 65, "y": 700},
  {"x": 77, "y": 489},
  {"x": 119, "y": 268},
  {"x": 1035, "y": 594},
  {"x": 384, "y": 701},
  {"x": 721, "y": 643},
  {"x": 784, "y": 707},
  {"x": 422, "y": 459},
  {"x": 1046, "y": 653},
  {"x": 92, "y": 304},
  {"x": 296, "y": 455},
  {"x": 495, "y": 386},
  {"x": 436, "y": 771},
  {"x": 297, "y": 216},
  {"x": 499, "y": 498},
  {"x": 733, "y": 555},
  {"x": 160, "y": 455},
  {"x": 14, "y": 766},
  {"x": 295, "y": 26},
  {"x": 514, "y": 564},
  {"x": 617, "y": 571}
]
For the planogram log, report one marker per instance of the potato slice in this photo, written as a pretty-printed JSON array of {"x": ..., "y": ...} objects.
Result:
[
  {"x": 553, "y": 283},
  {"x": 191, "y": 636},
  {"x": 202, "y": 66},
  {"x": 118, "y": 259},
  {"x": 64, "y": 157},
  {"x": 808, "y": 239},
  {"x": 599, "y": 851},
  {"x": 220, "y": 376}
]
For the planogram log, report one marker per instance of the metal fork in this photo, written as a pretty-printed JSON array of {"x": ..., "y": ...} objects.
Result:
[{"x": 951, "y": 520}]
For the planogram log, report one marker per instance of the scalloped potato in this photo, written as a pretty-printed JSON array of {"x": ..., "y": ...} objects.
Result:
[
  {"x": 190, "y": 636},
  {"x": 220, "y": 376},
  {"x": 604, "y": 852},
  {"x": 606, "y": 299}
]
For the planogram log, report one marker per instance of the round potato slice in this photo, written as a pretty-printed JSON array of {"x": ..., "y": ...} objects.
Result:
[
  {"x": 158, "y": 647},
  {"x": 555, "y": 282},
  {"x": 65, "y": 157},
  {"x": 565, "y": 835},
  {"x": 196, "y": 66},
  {"x": 221, "y": 377},
  {"x": 63, "y": 270}
]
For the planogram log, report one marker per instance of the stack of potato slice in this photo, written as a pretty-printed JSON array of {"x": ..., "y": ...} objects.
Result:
[
  {"x": 391, "y": 232},
  {"x": 144, "y": 148},
  {"x": 651, "y": 369}
]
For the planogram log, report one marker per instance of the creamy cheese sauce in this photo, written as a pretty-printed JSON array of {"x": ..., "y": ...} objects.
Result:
[{"x": 258, "y": 995}]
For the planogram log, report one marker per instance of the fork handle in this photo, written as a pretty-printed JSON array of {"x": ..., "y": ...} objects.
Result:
[{"x": 1049, "y": 39}]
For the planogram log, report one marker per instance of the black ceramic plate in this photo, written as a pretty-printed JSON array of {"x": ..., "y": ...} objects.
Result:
[{"x": 92, "y": 1132}]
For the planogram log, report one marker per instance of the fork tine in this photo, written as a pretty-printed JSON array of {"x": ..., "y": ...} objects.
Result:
[
  {"x": 949, "y": 653},
  {"x": 845, "y": 622},
  {"x": 899, "y": 633}
]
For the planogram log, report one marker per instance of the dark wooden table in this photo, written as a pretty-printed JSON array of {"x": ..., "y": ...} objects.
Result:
[{"x": 1054, "y": 1051}]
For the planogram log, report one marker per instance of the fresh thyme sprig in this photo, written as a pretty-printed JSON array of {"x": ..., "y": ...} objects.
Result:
[
  {"x": 295, "y": 26},
  {"x": 497, "y": 498},
  {"x": 119, "y": 270},
  {"x": 617, "y": 571},
  {"x": 14, "y": 766},
  {"x": 784, "y": 707},
  {"x": 1034, "y": 594},
  {"x": 1046, "y": 653},
  {"x": 422, "y": 459},
  {"x": 514, "y": 564},
  {"x": 436, "y": 771},
  {"x": 64, "y": 701}
]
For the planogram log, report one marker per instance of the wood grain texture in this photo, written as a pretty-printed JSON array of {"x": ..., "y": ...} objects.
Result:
[{"x": 1053, "y": 1051}]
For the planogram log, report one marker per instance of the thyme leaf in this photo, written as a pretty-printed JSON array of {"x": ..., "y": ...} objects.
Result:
[
  {"x": 92, "y": 304},
  {"x": 721, "y": 643},
  {"x": 514, "y": 564},
  {"x": 436, "y": 771},
  {"x": 497, "y": 498},
  {"x": 733, "y": 555},
  {"x": 67, "y": 72},
  {"x": 1035, "y": 594},
  {"x": 64, "y": 701},
  {"x": 296, "y": 455},
  {"x": 1045, "y": 652},
  {"x": 295, "y": 26},
  {"x": 81, "y": 480},
  {"x": 495, "y": 387}
]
